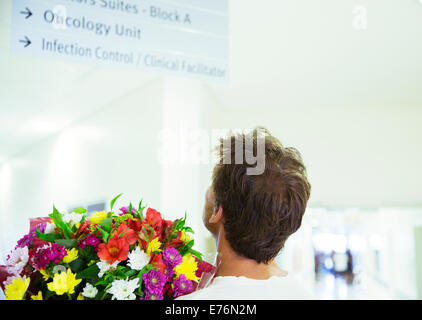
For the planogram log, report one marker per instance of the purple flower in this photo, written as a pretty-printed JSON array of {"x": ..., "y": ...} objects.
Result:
[
  {"x": 182, "y": 286},
  {"x": 28, "y": 239},
  {"x": 91, "y": 240},
  {"x": 153, "y": 295},
  {"x": 169, "y": 274},
  {"x": 125, "y": 210},
  {"x": 171, "y": 257},
  {"x": 40, "y": 257},
  {"x": 154, "y": 280}
]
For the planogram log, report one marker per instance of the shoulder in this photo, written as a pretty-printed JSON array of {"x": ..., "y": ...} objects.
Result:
[{"x": 235, "y": 288}]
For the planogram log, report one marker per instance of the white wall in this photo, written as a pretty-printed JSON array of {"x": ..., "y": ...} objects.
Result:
[
  {"x": 112, "y": 151},
  {"x": 115, "y": 149},
  {"x": 356, "y": 156}
]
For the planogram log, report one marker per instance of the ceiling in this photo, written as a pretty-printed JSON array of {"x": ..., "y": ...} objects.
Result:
[{"x": 298, "y": 53}]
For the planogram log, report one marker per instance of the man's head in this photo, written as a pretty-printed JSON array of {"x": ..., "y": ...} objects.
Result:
[{"x": 258, "y": 212}]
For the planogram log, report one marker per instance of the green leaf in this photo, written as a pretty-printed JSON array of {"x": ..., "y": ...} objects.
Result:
[
  {"x": 56, "y": 216},
  {"x": 106, "y": 224},
  {"x": 50, "y": 237},
  {"x": 67, "y": 243},
  {"x": 114, "y": 200},
  {"x": 77, "y": 265},
  {"x": 79, "y": 210},
  {"x": 130, "y": 273},
  {"x": 130, "y": 208},
  {"x": 188, "y": 229},
  {"x": 190, "y": 244},
  {"x": 196, "y": 254},
  {"x": 141, "y": 210},
  {"x": 89, "y": 273},
  {"x": 104, "y": 233}
]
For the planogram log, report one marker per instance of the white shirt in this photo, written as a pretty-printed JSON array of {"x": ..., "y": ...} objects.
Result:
[{"x": 242, "y": 288}]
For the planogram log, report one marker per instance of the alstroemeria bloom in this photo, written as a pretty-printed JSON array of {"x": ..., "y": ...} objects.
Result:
[
  {"x": 116, "y": 249},
  {"x": 154, "y": 219},
  {"x": 125, "y": 232}
]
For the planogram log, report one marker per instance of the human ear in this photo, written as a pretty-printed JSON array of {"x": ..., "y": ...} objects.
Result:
[{"x": 217, "y": 215}]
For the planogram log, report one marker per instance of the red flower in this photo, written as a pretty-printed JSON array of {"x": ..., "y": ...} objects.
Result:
[
  {"x": 177, "y": 242},
  {"x": 153, "y": 218},
  {"x": 165, "y": 230},
  {"x": 83, "y": 228},
  {"x": 157, "y": 261},
  {"x": 203, "y": 267},
  {"x": 135, "y": 225},
  {"x": 125, "y": 232},
  {"x": 116, "y": 249}
]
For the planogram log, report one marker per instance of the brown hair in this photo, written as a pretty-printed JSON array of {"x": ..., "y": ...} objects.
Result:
[{"x": 260, "y": 211}]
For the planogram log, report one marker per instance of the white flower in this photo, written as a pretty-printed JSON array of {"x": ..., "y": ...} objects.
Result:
[
  {"x": 89, "y": 291},
  {"x": 49, "y": 228},
  {"x": 123, "y": 289},
  {"x": 72, "y": 218},
  {"x": 137, "y": 259},
  {"x": 104, "y": 266},
  {"x": 17, "y": 260}
]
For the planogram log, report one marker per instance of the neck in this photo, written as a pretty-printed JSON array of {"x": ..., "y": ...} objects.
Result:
[{"x": 232, "y": 264}]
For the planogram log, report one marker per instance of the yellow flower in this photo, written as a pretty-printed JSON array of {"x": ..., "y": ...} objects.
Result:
[
  {"x": 98, "y": 217},
  {"x": 187, "y": 267},
  {"x": 185, "y": 237},
  {"x": 64, "y": 282},
  {"x": 45, "y": 275},
  {"x": 154, "y": 246},
  {"x": 17, "y": 289},
  {"x": 37, "y": 297},
  {"x": 71, "y": 255},
  {"x": 80, "y": 296}
]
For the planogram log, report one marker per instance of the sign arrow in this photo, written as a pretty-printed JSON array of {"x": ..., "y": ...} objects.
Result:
[
  {"x": 26, "y": 41},
  {"x": 27, "y": 12}
]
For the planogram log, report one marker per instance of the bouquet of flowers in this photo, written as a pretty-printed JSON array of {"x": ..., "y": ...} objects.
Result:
[{"x": 124, "y": 256}]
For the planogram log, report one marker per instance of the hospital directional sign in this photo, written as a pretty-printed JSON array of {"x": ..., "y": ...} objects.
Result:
[{"x": 181, "y": 37}]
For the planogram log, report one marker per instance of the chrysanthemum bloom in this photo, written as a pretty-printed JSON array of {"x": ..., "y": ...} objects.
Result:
[
  {"x": 123, "y": 289},
  {"x": 171, "y": 257},
  {"x": 116, "y": 249},
  {"x": 71, "y": 255},
  {"x": 104, "y": 266},
  {"x": 154, "y": 280},
  {"x": 64, "y": 282},
  {"x": 153, "y": 295},
  {"x": 89, "y": 291},
  {"x": 154, "y": 246},
  {"x": 182, "y": 286},
  {"x": 17, "y": 260},
  {"x": 169, "y": 273},
  {"x": 187, "y": 267},
  {"x": 98, "y": 217},
  {"x": 17, "y": 288},
  {"x": 37, "y": 296},
  {"x": 137, "y": 259}
]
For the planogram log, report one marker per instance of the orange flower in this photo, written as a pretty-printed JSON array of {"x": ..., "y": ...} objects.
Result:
[{"x": 116, "y": 249}]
